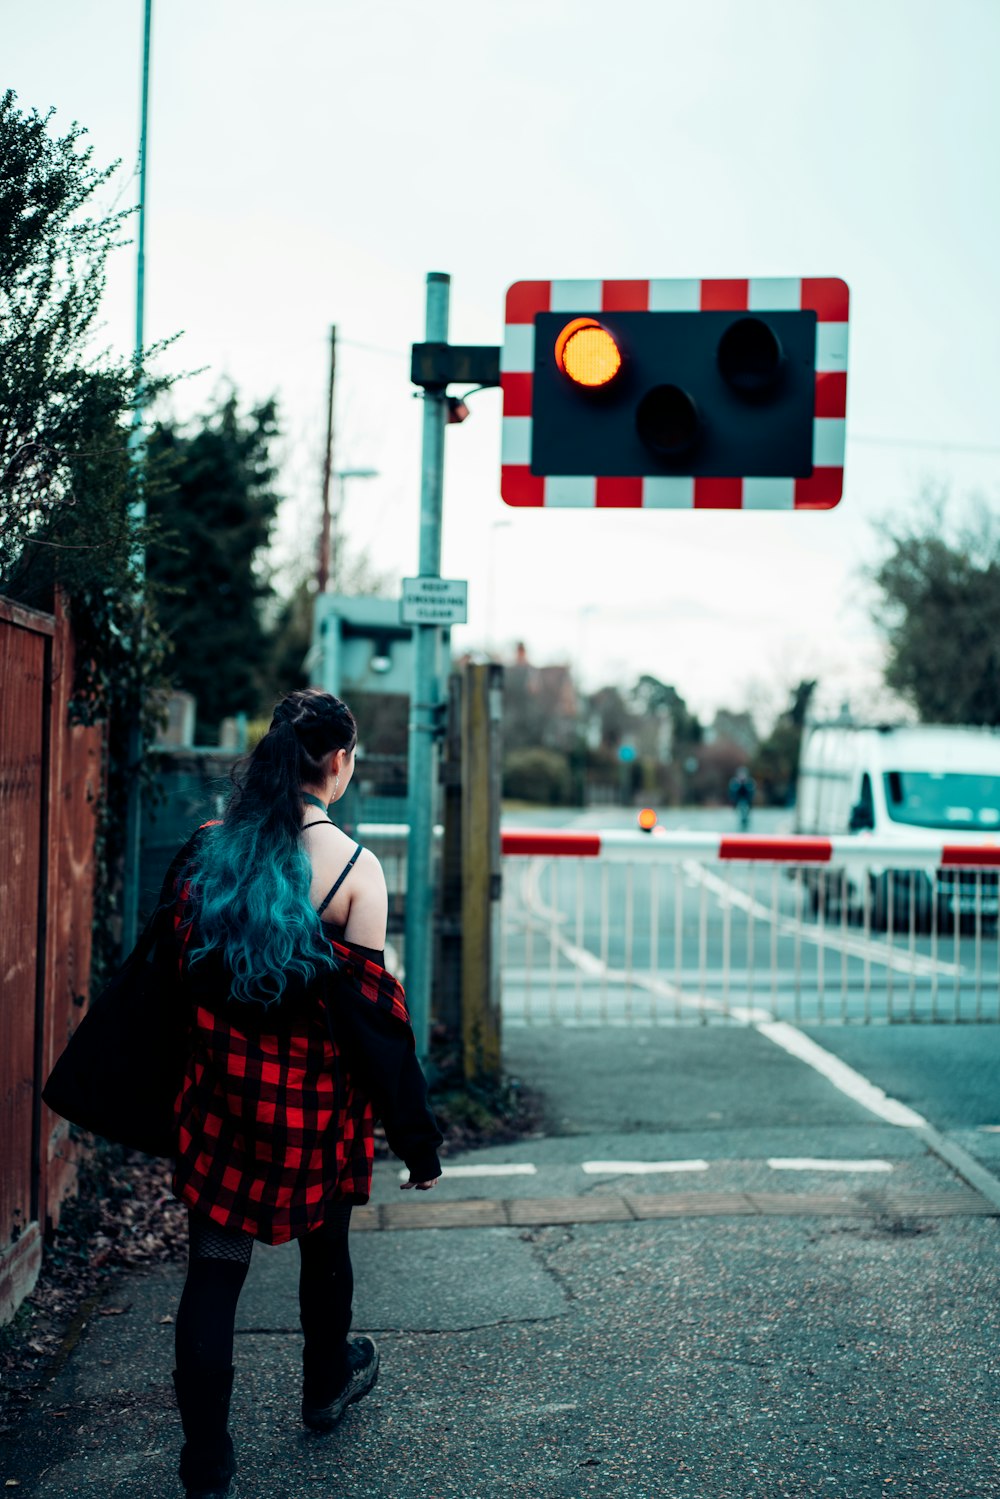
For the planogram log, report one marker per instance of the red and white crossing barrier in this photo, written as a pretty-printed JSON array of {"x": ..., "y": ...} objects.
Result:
[{"x": 625, "y": 844}]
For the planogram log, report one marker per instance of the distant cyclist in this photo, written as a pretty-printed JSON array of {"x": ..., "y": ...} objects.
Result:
[{"x": 741, "y": 795}]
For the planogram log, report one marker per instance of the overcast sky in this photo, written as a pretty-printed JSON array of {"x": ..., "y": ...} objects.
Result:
[{"x": 310, "y": 161}]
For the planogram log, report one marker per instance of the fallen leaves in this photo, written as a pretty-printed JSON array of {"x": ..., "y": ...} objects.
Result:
[{"x": 125, "y": 1215}]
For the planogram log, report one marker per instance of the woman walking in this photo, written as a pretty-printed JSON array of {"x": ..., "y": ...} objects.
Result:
[{"x": 298, "y": 1041}]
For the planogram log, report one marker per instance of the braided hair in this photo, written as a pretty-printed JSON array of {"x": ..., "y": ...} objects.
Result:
[{"x": 249, "y": 886}]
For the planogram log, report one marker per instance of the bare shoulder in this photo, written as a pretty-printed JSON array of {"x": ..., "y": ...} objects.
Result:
[
  {"x": 370, "y": 868},
  {"x": 367, "y": 902},
  {"x": 331, "y": 854},
  {"x": 327, "y": 846},
  {"x": 365, "y": 885}
]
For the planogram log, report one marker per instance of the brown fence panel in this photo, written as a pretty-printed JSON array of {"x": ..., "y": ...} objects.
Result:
[
  {"x": 25, "y": 658},
  {"x": 76, "y": 777},
  {"x": 50, "y": 779}
]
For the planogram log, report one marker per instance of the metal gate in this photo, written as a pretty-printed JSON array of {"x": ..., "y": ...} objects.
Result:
[{"x": 629, "y": 928}]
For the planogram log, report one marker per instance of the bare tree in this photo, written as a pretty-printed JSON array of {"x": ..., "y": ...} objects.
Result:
[{"x": 939, "y": 608}]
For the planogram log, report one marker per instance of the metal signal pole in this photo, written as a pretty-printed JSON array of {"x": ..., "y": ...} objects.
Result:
[{"x": 425, "y": 704}]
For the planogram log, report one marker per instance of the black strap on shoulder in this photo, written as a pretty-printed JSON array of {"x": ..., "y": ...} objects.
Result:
[
  {"x": 320, "y": 822},
  {"x": 340, "y": 879}
]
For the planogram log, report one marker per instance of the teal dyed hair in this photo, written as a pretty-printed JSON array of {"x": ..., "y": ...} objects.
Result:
[{"x": 249, "y": 886}]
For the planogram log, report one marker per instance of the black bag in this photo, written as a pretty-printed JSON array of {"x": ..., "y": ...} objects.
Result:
[{"x": 122, "y": 1069}]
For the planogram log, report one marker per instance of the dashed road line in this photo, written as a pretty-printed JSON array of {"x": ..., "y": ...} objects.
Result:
[
  {"x": 656, "y": 1168},
  {"x": 640, "y": 1168},
  {"x": 817, "y": 1163},
  {"x": 521, "y": 1168}
]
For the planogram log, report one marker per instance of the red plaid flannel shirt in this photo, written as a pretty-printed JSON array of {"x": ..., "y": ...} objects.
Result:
[{"x": 275, "y": 1119}]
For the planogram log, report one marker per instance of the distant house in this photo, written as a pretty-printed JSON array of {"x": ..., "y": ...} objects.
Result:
[
  {"x": 737, "y": 728},
  {"x": 541, "y": 705}
]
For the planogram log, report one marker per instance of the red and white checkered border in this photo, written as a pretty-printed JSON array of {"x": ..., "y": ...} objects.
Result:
[{"x": 827, "y": 296}]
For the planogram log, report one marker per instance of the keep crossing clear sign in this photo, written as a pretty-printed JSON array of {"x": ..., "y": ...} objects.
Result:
[{"x": 434, "y": 601}]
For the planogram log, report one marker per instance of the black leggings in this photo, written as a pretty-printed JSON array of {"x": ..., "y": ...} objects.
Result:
[{"x": 218, "y": 1261}]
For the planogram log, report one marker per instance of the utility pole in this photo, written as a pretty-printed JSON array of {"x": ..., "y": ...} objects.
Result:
[
  {"x": 137, "y": 456},
  {"x": 426, "y": 699},
  {"x": 323, "y": 568}
]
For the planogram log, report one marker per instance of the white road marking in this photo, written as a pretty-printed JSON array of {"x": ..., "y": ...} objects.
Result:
[
  {"x": 828, "y": 936},
  {"x": 521, "y": 1169},
  {"x": 874, "y": 1099},
  {"x": 587, "y": 962},
  {"x": 640, "y": 1168},
  {"x": 819, "y": 1163}
]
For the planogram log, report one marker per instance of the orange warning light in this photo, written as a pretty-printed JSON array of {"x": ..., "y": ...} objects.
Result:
[
  {"x": 647, "y": 819},
  {"x": 587, "y": 353}
]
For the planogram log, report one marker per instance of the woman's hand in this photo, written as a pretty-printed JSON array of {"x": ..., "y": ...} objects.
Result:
[{"x": 420, "y": 1186}]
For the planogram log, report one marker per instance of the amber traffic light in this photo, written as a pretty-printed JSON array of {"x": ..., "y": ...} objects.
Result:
[{"x": 587, "y": 353}]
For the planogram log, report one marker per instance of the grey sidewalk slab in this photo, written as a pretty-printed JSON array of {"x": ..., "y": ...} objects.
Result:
[
  {"x": 466, "y": 1277},
  {"x": 717, "y": 1359}
]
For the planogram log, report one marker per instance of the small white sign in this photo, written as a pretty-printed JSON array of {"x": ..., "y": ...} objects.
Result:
[{"x": 434, "y": 601}]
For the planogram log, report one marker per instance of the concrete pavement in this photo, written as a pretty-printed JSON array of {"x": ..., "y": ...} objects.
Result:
[{"x": 780, "y": 1332}]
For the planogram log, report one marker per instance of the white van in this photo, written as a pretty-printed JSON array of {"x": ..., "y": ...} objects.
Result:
[{"x": 899, "y": 784}]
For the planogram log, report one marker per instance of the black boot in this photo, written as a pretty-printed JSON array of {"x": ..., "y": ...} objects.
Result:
[
  {"x": 207, "y": 1461},
  {"x": 325, "y": 1399}
]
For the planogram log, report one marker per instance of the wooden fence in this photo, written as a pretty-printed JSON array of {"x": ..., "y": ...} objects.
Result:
[{"x": 50, "y": 779}]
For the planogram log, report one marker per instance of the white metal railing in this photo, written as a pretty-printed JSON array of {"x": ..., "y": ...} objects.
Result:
[{"x": 624, "y": 927}]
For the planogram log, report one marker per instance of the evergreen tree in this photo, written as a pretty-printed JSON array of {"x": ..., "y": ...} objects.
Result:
[
  {"x": 67, "y": 484},
  {"x": 59, "y": 406},
  {"x": 216, "y": 502},
  {"x": 651, "y": 696},
  {"x": 776, "y": 763}
]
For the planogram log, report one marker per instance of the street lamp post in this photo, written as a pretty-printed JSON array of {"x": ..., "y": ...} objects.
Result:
[
  {"x": 137, "y": 459},
  {"x": 342, "y": 475},
  {"x": 586, "y": 613},
  {"x": 496, "y": 525}
]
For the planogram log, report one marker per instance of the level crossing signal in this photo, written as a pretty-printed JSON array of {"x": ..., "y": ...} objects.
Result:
[{"x": 675, "y": 394}]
